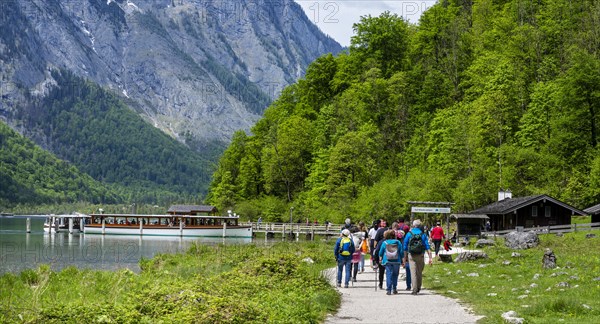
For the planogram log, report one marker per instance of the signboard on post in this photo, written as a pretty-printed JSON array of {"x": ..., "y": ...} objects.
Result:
[{"x": 433, "y": 210}]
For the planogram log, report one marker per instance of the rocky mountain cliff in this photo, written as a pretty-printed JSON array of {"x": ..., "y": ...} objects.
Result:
[{"x": 196, "y": 69}]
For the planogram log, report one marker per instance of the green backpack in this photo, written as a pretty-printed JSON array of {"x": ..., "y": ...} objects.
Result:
[{"x": 415, "y": 244}]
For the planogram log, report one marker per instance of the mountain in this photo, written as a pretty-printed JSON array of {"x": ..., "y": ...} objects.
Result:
[
  {"x": 197, "y": 70},
  {"x": 480, "y": 95},
  {"x": 30, "y": 175}
]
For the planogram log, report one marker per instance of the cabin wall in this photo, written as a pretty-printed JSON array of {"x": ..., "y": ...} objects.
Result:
[{"x": 533, "y": 215}]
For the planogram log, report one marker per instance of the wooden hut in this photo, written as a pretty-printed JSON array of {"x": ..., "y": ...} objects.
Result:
[
  {"x": 594, "y": 211},
  {"x": 527, "y": 212}
]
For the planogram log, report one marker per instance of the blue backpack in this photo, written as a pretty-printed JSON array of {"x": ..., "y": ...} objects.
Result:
[{"x": 345, "y": 246}]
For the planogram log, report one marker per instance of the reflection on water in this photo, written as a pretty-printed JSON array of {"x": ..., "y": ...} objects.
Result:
[{"x": 20, "y": 250}]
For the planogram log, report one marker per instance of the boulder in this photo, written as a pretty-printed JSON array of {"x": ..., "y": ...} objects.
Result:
[
  {"x": 471, "y": 256},
  {"x": 549, "y": 260},
  {"x": 511, "y": 317},
  {"x": 484, "y": 242},
  {"x": 521, "y": 240},
  {"x": 445, "y": 257}
]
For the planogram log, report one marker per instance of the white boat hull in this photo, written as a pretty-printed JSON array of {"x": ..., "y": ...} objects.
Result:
[{"x": 170, "y": 231}]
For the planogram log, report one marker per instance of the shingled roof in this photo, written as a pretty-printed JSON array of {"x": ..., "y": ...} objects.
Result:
[
  {"x": 191, "y": 208},
  {"x": 594, "y": 210},
  {"x": 509, "y": 205}
]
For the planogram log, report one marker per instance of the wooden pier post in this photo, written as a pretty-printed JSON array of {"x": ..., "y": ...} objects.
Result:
[
  {"x": 180, "y": 227},
  {"x": 224, "y": 229},
  {"x": 103, "y": 225},
  {"x": 283, "y": 233},
  {"x": 70, "y": 225},
  {"x": 28, "y": 225},
  {"x": 81, "y": 224},
  {"x": 141, "y": 227}
]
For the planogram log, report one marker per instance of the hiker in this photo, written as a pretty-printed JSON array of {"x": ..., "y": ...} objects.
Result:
[
  {"x": 347, "y": 224},
  {"x": 390, "y": 254},
  {"x": 372, "y": 233},
  {"x": 364, "y": 245},
  {"x": 447, "y": 245},
  {"x": 343, "y": 250},
  {"x": 377, "y": 266},
  {"x": 381, "y": 230},
  {"x": 405, "y": 229},
  {"x": 357, "y": 238},
  {"x": 414, "y": 251},
  {"x": 437, "y": 235}
]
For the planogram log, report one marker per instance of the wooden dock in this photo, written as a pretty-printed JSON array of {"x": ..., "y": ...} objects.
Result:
[{"x": 294, "y": 230}]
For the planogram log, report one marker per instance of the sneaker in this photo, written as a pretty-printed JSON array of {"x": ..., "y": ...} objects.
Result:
[
  {"x": 353, "y": 279},
  {"x": 380, "y": 286},
  {"x": 388, "y": 292},
  {"x": 414, "y": 293},
  {"x": 339, "y": 284},
  {"x": 395, "y": 292},
  {"x": 408, "y": 288},
  {"x": 346, "y": 286}
]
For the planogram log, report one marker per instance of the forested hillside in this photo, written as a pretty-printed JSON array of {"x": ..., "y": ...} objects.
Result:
[
  {"x": 479, "y": 95},
  {"x": 30, "y": 175},
  {"x": 96, "y": 132}
]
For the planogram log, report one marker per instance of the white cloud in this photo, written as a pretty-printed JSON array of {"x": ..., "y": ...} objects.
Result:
[{"x": 336, "y": 17}]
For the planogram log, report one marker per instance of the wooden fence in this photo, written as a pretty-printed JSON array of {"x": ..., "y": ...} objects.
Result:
[{"x": 551, "y": 229}]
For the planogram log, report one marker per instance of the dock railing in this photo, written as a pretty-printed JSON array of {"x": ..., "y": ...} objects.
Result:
[{"x": 294, "y": 229}]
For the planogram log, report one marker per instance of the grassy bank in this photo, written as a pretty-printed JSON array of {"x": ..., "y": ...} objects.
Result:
[
  {"x": 566, "y": 294},
  {"x": 208, "y": 284}
]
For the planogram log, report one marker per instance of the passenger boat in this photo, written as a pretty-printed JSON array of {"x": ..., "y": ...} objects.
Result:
[{"x": 181, "y": 220}]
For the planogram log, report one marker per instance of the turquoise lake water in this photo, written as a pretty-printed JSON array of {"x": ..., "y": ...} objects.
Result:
[{"x": 20, "y": 250}]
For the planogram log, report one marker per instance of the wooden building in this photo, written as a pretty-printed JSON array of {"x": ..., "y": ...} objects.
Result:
[
  {"x": 594, "y": 211},
  {"x": 469, "y": 224},
  {"x": 531, "y": 211},
  {"x": 197, "y": 210}
]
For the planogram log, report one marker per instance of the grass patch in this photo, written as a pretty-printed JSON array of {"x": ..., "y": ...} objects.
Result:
[
  {"x": 581, "y": 219},
  {"x": 207, "y": 284},
  {"x": 567, "y": 294}
]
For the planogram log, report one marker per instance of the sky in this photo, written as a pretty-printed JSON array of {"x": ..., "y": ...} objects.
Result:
[{"x": 335, "y": 17}]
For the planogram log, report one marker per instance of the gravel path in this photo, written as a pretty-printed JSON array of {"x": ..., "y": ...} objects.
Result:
[{"x": 361, "y": 303}]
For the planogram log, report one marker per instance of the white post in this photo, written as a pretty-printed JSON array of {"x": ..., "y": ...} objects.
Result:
[
  {"x": 181, "y": 227},
  {"x": 141, "y": 226},
  {"x": 28, "y": 225},
  {"x": 70, "y": 225},
  {"x": 283, "y": 233},
  {"x": 103, "y": 225},
  {"x": 224, "y": 228},
  {"x": 81, "y": 224},
  {"x": 56, "y": 221}
]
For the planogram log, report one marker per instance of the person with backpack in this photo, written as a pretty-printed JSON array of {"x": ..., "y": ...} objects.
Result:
[
  {"x": 343, "y": 250},
  {"x": 415, "y": 246},
  {"x": 364, "y": 245},
  {"x": 391, "y": 253}
]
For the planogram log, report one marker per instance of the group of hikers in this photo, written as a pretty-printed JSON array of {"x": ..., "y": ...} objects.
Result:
[{"x": 390, "y": 248}]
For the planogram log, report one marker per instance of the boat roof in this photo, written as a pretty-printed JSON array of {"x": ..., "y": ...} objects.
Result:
[
  {"x": 162, "y": 216},
  {"x": 191, "y": 208}
]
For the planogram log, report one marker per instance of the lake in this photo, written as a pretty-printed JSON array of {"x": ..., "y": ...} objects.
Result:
[{"x": 20, "y": 250}]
